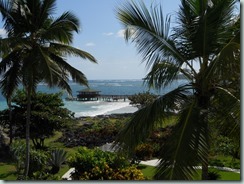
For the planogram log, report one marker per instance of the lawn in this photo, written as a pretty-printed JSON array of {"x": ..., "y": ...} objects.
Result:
[
  {"x": 7, "y": 171},
  {"x": 149, "y": 171}
]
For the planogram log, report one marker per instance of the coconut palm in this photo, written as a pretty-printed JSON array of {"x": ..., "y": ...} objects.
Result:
[
  {"x": 36, "y": 49},
  {"x": 203, "y": 36}
]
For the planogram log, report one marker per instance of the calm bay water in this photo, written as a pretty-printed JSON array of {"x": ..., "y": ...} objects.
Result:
[{"x": 106, "y": 87}]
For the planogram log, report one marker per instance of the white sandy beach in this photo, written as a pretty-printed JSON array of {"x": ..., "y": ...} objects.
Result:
[{"x": 100, "y": 108}]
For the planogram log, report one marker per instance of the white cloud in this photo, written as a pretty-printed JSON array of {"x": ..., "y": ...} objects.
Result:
[
  {"x": 121, "y": 33},
  {"x": 90, "y": 44},
  {"x": 108, "y": 34},
  {"x": 3, "y": 33}
]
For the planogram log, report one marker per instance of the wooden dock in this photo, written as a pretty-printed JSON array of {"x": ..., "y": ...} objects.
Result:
[
  {"x": 110, "y": 98},
  {"x": 94, "y": 95},
  {"x": 107, "y": 98}
]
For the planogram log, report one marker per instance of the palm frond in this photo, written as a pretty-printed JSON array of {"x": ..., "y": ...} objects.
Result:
[
  {"x": 200, "y": 32},
  {"x": 61, "y": 29},
  {"x": 150, "y": 32},
  {"x": 5, "y": 7},
  {"x": 69, "y": 50},
  {"x": 164, "y": 73},
  {"x": 47, "y": 8},
  {"x": 11, "y": 79},
  {"x": 7, "y": 61},
  {"x": 227, "y": 62},
  {"x": 77, "y": 76},
  {"x": 186, "y": 147},
  {"x": 145, "y": 119},
  {"x": 226, "y": 112}
]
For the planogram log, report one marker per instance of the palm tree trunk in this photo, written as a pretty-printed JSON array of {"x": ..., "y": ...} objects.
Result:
[
  {"x": 205, "y": 164},
  {"x": 203, "y": 102},
  {"x": 27, "y": 160},
  {"x": 205, "y": 170},
  {"x": 10, "y": 122}
]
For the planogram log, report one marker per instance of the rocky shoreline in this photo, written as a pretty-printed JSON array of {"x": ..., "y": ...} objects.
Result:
[{"x": 94, "y": 131}]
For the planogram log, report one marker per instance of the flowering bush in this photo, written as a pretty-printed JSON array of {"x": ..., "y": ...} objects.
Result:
[
  {"x": 144, "y": 151},
  {"x": 98, "y": 165},
  {"x": 130, "y": 173}
]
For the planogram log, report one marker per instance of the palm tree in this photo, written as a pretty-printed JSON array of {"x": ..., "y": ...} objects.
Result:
[
  {"x": 203, "y": 36},
  {"x": 35, "y": 50}
]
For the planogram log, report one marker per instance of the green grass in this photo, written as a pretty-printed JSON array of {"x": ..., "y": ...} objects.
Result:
[
  {"x": 7, "y": 171},
  {"x": 63, "y": 170},
  {"x": 149, "y": 171}
]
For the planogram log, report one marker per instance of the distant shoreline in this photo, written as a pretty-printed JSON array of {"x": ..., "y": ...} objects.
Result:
[{"x": 108, "y": 109}]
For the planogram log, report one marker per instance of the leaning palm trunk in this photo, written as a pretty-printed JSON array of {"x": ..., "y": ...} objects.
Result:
[{"x": 27, "y": 160}]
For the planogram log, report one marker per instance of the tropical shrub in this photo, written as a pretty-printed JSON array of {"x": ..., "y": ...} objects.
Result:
[
  {"x": 47, "y": 116},
  {"x": 140, "y": 100},
  {"x": 129, "y": 173},
  {"x": 57, "y": 158},
  {"x": 43, "y": 175},
  {"x": 214, "y": 175},
  {"x": 144, "y": 151},
  {"x": 38, "y": 158},
  {"x": 224, "y": 145},
  {"x": 17, "y": 151},
  {"x": 216, "y": 162},
  {"x": 94, "y": 164},
  {"x": 38, "y": 161},
  {"x": 93, "y": 134}
]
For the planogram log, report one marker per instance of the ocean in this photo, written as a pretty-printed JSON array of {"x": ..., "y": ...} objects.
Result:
[{"x": 106, "y": 87}]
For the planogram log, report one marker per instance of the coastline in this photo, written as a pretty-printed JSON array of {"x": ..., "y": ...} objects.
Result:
[
  {"x": 98, "y": 108},
  {"x": 124, "y": 110}
]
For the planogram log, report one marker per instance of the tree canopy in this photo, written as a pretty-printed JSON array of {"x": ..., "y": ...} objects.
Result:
[{"x": 48, "y": 115}]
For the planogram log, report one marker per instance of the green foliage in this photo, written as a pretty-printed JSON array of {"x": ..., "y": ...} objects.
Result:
[
  {"x": 38, "y": 158},
  {"x": 58, "y": 157},
  {"x": 42, "y": 175},
  {"x": 47, "y": 116},
  {"x": 224, "y": 161},
  {"x": 38, "y": 161},
  {"x": 214, "y": 175},
  {"x": 17, "y": 150},
  {"x": 130, "y": 173},
  {"x": 141, "y": 100},
  {"x": 93, "y": 132},
  {"x": 98, "y": 165},
  {"x": 226, "y": 146},
  {"x": 144, "y": 151}
]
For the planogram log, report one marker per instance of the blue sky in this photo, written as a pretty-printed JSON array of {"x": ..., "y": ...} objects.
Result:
[{"x": 102, "y": 35}]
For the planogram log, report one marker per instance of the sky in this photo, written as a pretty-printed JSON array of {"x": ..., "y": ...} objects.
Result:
[{"x": 102, "y": 36}]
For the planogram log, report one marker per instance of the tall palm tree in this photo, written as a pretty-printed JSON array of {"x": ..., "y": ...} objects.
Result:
[
  {"x": 203, "y": 36},
  {"x": 36, "y": 49}
]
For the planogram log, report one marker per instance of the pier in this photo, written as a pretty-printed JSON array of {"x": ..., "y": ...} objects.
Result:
[
  {"x": 110, "y": 98},
  {"x": 93, "y": 95},
  {"x": 107, "y": 98}
]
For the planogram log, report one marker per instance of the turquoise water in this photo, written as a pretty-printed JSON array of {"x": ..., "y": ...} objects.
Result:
[{"x": 106, "y": 87}]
